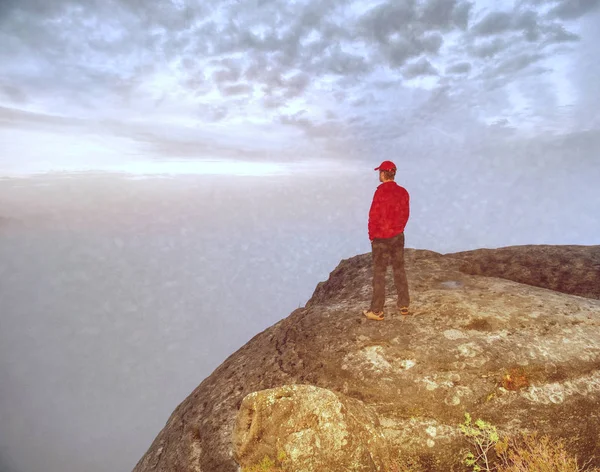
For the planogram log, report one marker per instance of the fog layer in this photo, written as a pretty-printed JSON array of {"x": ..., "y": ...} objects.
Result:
[{"x": 118, "y": 297}]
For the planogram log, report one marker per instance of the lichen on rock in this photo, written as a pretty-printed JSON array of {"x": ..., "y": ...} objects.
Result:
[{"x": 316, "y": 428}]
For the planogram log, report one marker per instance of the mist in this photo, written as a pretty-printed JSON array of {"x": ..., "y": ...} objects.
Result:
[{"x": 119, "y": 296}]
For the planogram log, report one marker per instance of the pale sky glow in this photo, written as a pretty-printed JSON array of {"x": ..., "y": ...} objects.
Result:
[
  {"x": 172, "y": 168},
  {"x": 221, "y": 167}
]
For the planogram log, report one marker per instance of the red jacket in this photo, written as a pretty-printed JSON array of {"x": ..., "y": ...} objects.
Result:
[{"x": 389, "y": 211}]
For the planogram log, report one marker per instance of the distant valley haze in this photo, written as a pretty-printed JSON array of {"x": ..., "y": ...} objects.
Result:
[{"x": 176, "y": 177}]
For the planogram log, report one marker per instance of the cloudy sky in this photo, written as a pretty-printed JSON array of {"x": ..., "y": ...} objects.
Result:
[{"x": 181, "y": 85}]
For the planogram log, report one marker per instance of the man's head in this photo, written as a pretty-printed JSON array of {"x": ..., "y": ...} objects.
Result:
[{"x": 387, "y": 171}]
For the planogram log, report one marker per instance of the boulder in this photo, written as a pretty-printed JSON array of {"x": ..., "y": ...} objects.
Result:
[
  {"x": 519, "y": 356},
  {"x": 314, "y": 428}
]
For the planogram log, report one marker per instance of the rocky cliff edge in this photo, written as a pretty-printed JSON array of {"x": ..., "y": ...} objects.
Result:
[{"x": 331, "y": 390}]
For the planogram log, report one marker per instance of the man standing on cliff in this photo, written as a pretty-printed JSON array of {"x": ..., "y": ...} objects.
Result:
[{"x": 387, "y": 218}]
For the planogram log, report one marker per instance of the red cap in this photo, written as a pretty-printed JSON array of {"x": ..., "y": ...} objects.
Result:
[{"x": 386, "y": 165}]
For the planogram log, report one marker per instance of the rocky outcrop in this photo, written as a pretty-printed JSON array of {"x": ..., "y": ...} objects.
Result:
[
  {"x": 566, "y": 269},
  {"x": 520, "y": 356},
  {"x": 315, "y": 429}
]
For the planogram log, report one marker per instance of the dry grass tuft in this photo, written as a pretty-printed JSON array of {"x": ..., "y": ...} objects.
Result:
[{"x": 544, "y": 454}]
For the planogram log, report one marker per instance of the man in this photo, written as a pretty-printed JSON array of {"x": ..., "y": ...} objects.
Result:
[{"x": 387, "y": 218}]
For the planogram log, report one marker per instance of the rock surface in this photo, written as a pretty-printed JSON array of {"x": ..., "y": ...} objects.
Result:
[
  {"x": 414, "y": 377},
  {"x": 315, "y": 428},
  {"x": 566, "y": 269}
]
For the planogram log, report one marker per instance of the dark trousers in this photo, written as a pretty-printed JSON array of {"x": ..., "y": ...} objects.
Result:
[{"x": 386, "y": 251}]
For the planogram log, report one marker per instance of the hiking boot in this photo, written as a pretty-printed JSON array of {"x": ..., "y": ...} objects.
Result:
[{"x": 373, "y": 315}]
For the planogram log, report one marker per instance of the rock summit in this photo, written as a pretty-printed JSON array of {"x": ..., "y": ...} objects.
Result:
[{"x": 509, "y": 335}]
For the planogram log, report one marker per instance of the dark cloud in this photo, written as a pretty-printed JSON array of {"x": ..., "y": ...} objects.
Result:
[
  {"x": 195, "y": 82},
  {"x": 85, "y": 52},
  {"x": 527, "y": 21},
  {"x": 502, "y": 122},
  {"x": 537, "y": 2},
  {"x": 15, "y": 118},
  {"x": 340, "y": 96},
  {"x": 386, "y": 19},
  {"x": 212, "y": 113},
  {"x": 431, "y": 43},
  {"x": 296, "y": 85},
  {"x": 296, "y": 120},
  {"x": 445, "y": 15},
  {"x": 557, "y": 33},
  {"x": 438, "y": 13},
  {"x": 516, "y": 64},
  {"x": 385, "y": 84},
  {"x": 573, "y": 9},
  {"x": 400, "y": 31},
  {"x": 312, "y": 129},
  {"x": 420, "y": 68},
  {"x": 272, "y": 103},
  {"x": 13, "y": 94},
  {"x": 461, "y": 14},
  {"x": 236, "y": 89},
  {"x": 274, "y": 84},
  {"x": 366, "y": 99},
  {"x": 497, "y": 44},
  {"x": 490, "y": 49},
  {"x": 400, "y": 49},
  {"x": 266, "y": 73},
  {"x": 356, "y": 119},
  {"x": 338, "y": 62},
  {"x": 231, "y": 72},
  {"x": 459, "y": 68},
  {"x": 493, "y": 23}
]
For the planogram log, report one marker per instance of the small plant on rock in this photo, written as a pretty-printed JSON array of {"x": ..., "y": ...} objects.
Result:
[
  {"x": 268, "y": 465},
  {"x": 485, "y": 439},
  {"x": 527, "y": 454}
]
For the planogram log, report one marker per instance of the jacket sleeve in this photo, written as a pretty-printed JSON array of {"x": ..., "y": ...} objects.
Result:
[
  {"x": 375, "y": 214},
  {"x": 405, "y": 208}
]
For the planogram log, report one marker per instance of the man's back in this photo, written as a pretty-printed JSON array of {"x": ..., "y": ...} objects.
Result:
[{"x": 389, "y": 211}]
